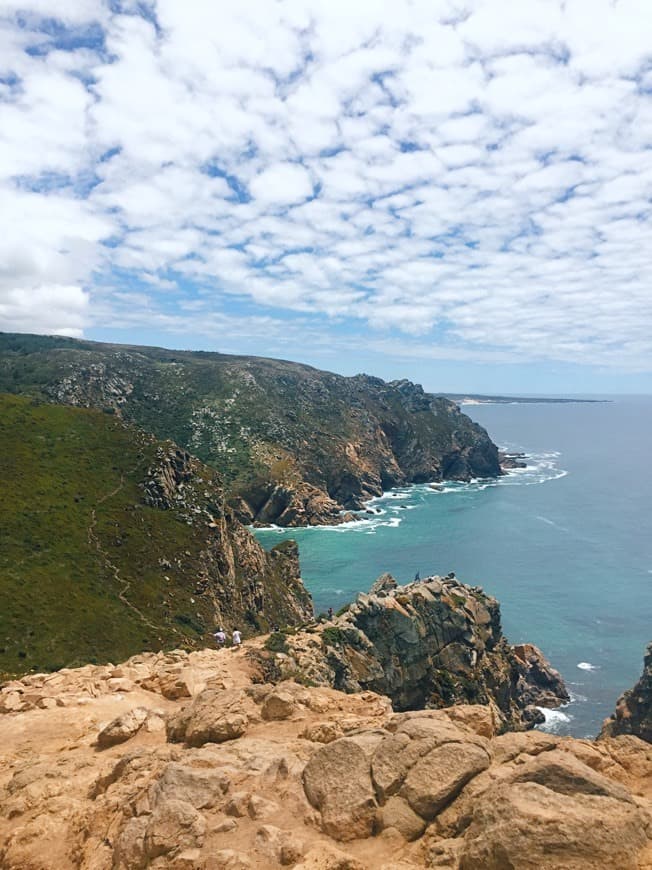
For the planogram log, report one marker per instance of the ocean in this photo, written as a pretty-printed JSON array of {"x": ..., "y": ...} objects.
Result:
[{"x": 565, "y": 545}]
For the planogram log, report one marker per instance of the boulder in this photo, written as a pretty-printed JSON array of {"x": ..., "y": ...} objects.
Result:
[
  {"x": 213, "y": 717},
  {"x": 529, "y": 826},
  {"x": 439, "y": 776},
  {"x": 397, "y": 813},
  {"x": 278, "y": 705},
  {"x": 337, "y": 782},
  {"x": 122, "y": 728}
]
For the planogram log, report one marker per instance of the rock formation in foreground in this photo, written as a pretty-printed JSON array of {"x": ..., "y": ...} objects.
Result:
[
  {"x": 431, "y": 643},
  {"x": 190, "y": 762},
  {"x": 113, "y": 542},
  {"x": 633, "y": 713},
  {"x": 295, "y": 445}
]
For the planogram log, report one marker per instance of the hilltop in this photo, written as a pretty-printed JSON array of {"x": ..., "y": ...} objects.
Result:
[
  {"x": 295, "y": 445},
  {"x": 193, "y": 762},
  {"x": 114, "y": 542}
]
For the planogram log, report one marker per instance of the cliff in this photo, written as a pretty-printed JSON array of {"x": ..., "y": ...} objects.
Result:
[
  {"x": 633, "y": 714},
  {"x": 432, "y": 643},
  {"x": 295, "y": 445},
  {"x": 114, "y": 542},
  {"x": 192, "y": 762}
]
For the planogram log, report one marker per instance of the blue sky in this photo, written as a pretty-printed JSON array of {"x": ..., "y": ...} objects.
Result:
[{"x": 455, "y": 192}]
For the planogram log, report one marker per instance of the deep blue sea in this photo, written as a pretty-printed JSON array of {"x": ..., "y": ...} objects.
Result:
[{"x": 565, "y": 545}]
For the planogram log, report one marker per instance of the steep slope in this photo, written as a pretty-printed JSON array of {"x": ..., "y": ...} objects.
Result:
[
  {"x": 113, "y": 542},
  {"x": 633, "y": 714},
  {"x": 295, "y": 445},
  {"x": 431, "y": 643}
]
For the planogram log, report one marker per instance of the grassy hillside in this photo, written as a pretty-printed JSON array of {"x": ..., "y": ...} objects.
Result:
[
  {"x": 294, "y": 443},
  {"x": 90, "y": 572}
]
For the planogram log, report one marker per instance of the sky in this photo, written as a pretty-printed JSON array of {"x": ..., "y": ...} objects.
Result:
[{"x": 456, "y": 192}]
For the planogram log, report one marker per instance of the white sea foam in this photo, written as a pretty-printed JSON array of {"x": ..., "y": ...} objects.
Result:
[
  {"x": 541, "y": 467},
  {"x": 550, "y": 522},
  {"x": 555, "y": 720},
  {"x": 587, "y": 666}
]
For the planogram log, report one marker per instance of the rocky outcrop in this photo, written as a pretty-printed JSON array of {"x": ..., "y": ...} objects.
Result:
[
  {"x": 296, "y": 446},
  {"x": 633, "y": 714},
  {"x": 236, "y": 773},
  {"x": 298, "y": 504},
  {"x": 432, "y": 643}
]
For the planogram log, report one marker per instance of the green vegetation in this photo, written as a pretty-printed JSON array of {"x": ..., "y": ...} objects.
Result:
[
  {"x": 277, "y": 642},
  {"x": 332, "y": 636},
  {"x": 260, "y": 422},
  {"x": 78, "y": 543},
  {"x": 89, "y": 572}
]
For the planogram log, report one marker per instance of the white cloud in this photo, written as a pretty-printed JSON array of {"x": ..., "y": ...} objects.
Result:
[
  {"x": 281, "y": 184},
  {"x": 55, "y": 310},
  {"x": 476, "y": 173}
]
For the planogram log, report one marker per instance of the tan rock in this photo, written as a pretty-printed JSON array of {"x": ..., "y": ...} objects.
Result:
[
  {"x": 439, "y": 776},
  {"x": 226, "y": 859},
  {"x": 225, "y": 827},
  {"x": 238, "y": 805},
  {"x": 120, "y": 684},
  {"x": 484, "y": 719},
  {"x": 174, "y": 826},
  {"x": 261, "y": 808},
  {"x": 337, "y": 782},
  {"x": 278, "y": 705},
  {"x": 129, "y": 851},
  {"x": 122, "y": 728},
  {"x": 390, "y": 764},
  {"x": 563, "y": 773},
  {"x": 214, "y": 716},
  {"x": 528, "y": 826},
  {"x": 202, "y": 788},
  {"x": 327, "y": 858},
  {"x": 11, "y": 702},
  {"x": 397, "y": 813},
  {"x": 323, "y": 732}
]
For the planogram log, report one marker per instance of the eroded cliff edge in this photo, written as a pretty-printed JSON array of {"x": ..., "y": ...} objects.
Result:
[
  {"x": 295, "y": 445},
  {"x": 194, "y": 762},
  {"x": 432, "y": 643}
]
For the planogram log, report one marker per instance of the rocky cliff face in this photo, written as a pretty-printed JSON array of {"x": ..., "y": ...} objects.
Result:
[
  {"x": 633, "y": 713},
  {"x": 432, "y": 643},
  {"x": 295, "y": 445},
  {"x": 191, "y": 762}
]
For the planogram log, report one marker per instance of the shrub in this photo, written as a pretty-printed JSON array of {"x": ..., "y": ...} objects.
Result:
[
  {"x": 276, "y": 642},
  {"x": 332, "y": 636}
]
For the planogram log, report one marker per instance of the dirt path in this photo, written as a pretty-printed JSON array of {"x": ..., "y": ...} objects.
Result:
[{"x": 93, "y": 540}]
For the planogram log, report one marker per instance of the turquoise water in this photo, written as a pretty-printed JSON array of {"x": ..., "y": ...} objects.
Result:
[{"x": 565, "y": 545}]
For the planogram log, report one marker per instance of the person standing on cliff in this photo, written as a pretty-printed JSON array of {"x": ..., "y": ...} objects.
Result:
[
  {"x": 220, "y": 638},
  {"x": 237, "y": 639}
]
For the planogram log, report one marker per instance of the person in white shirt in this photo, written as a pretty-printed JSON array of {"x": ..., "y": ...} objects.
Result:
[
  {"x": 237, "y": 639},
  {"x": 220, "y": 638}
]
